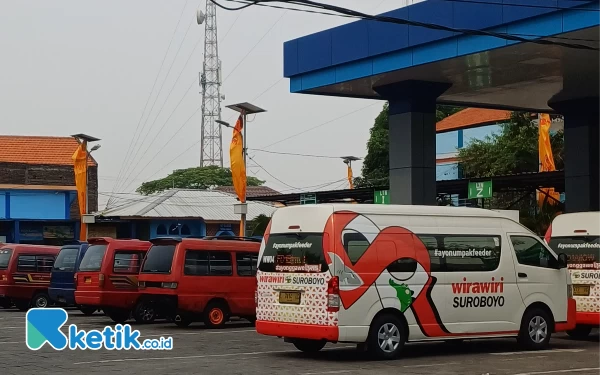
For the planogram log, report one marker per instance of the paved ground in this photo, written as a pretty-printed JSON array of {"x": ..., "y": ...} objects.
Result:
[{"x": 239, "y": 350}]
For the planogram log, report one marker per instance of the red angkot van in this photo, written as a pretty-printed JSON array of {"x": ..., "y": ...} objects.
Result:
[
  {"x": 108, "y": 276},
  {"x": 207, "y": 280},
  {"x": 25, "y": 275}
]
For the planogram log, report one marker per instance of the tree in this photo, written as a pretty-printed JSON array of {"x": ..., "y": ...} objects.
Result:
[
  {"x": 512, "y": 150},
  {"x": 259, "y": 225},
  {"x": 376, "y": 164},
  {"x": 194, "y": 178}
]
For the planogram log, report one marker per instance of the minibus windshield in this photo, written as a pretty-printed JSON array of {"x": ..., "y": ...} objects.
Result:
[
  {"x": 294, "y": 252},
  {"x": 92, "y": 260},
  {"x": 5, "y": 255},
  {"x": 159, "y": 259},
  {"x": 582, "y": 250},
  {"x": 66, "y": 259}
]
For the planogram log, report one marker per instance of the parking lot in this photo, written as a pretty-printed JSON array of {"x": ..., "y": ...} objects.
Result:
[{"x": 238, "y": 349}]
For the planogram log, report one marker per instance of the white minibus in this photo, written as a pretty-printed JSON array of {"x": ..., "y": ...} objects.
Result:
[
  {"x": 384, "y": 275},
  {"x": 578, "y": 236}
]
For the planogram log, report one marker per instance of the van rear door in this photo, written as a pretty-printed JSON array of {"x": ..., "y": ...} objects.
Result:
[{"x": 293, "y": 278}]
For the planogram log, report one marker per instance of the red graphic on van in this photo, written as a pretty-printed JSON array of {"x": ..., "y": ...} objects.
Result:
[{"x": 360, "y": 275}]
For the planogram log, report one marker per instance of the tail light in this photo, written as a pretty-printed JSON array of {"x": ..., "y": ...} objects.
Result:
[
  {"x": 101, "y": 280},
  {"x": 256, "y": 297},
  {"x": 75, "y": 279},
  {"x": 141, "y": 284},
  {"x": 333, "y": 294}
]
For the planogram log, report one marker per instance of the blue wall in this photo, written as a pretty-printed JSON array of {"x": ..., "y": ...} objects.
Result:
[
  {"x": 451, "y": 141},
  {"x": 197, "y": 227}
]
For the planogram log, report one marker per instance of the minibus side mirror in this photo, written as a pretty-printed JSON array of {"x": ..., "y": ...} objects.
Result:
[{"x": 562, "y": 260}]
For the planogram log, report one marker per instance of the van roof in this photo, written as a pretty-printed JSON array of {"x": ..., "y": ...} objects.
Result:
[
  {"x": 567, "y": 224},
  {"x": 407, "y": 210},
  {"x": 22, "y": 246},
  {"x": 114, "y": 240}
]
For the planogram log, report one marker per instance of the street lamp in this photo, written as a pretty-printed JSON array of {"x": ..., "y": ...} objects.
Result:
[
  {"x": 86, "y": 139},
  {"x": 348, "y": 161},
  {"x": 244, "y": 109}
]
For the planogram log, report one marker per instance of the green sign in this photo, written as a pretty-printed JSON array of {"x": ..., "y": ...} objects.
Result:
[
  {"x": 308, "y": 199},
  {"x": 382, "y": 197},
  {"x": 481, "y": 189}
]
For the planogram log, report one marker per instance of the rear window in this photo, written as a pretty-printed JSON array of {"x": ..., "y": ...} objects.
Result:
[
  {"x": 127, "y": 261},
  {"x": 294, "y": 252},
  {"x": 582, "y": 251},
  {"x": 92, "y": 260},
  {"x": 5, "y": 255},
  {"x": 159, "y": 259},
  {"x": 66, "y": 259}
]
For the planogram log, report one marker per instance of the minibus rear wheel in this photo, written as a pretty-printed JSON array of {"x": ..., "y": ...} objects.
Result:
[
  {"x": 41, "y": 300},
  {"x": 87, "y": 310},
  {"x": 386, "y": 337},
  {"x": 5, "y": 303},
  {"x": 144, "y": 312},
  {"x": 216, "y": 315},
  {"x": 118, "y": 316},
  {"x": 309, "y": 346}
]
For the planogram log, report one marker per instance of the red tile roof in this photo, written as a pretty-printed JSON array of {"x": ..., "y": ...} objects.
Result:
[
  {"x": 472, "y": 117},
  {"x": 38, "y": 150}
]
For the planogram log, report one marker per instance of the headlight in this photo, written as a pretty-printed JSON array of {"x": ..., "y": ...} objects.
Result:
[{"x": 169, "y": 285}]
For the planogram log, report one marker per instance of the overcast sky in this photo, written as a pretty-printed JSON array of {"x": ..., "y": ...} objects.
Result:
[{"x": 87, "y": 66}]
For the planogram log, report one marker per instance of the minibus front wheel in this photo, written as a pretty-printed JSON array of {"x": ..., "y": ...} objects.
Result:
[
  {"x": 386, "y": 337},
  {"x": 536, "y": 329}
]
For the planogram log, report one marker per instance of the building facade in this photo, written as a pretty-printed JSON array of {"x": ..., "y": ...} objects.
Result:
[
  {"x": 38, "y": 201},
  {"x": 176, "y": 213}
]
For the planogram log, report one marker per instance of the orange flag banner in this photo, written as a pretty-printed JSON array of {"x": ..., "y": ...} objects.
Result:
[
  {"x": 546, "y": 158},
  {"x": 80, "y": 168},
  {"x": 236, "y": 156}
]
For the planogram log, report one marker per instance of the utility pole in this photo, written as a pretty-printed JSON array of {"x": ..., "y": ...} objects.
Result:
[
  {"x": 211, "y": 152},
  {"x": 348, "y": 161},
  {"x": 244, "y": 109}
]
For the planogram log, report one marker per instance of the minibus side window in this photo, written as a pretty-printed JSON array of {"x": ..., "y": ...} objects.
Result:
[
  {"x": 431, "y": 244},
  {"x": 471, "y": 253},
  {"x": 355, "y": 245},
  {"x": 44, "y": 263},
  {"x": 531, "y": 252},
  {"x": 220, "y": 264},
  {"x": 26, "y": 263},
  {"x": 205, "y": 263},
  {"x": 246, "y": 264},
  {"x": 127, "y": 261}
]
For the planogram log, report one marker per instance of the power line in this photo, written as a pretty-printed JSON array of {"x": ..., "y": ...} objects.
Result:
[
  {"x": 293, "y": 154},
  {"x": 320, "y": 125},
  {"x": 401, "y": 21},
  {"x": 157, "y": 96},
  {"x": 152, "y": 90},
  {"x": 267, "y": 172},
  {"x": 255, "y": 45},
  {"x": 231, "y": 27}
]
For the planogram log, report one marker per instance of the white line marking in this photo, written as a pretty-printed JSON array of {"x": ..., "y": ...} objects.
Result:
[
  {"x": 21, "y": 327},
  {"x": 198, "y": 356},
  {"x": 10, "y": 342},
  {"x": 431, "y": 365},
  {"x": 542, "y": 351},
  {"x": 560, "y": 371},
  {"x": 167, "y": 334},
  {"x": 327, "y": 372},
  {"x": 518, "y": 359}
]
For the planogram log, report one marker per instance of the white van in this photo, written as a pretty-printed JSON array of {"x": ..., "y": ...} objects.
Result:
[
  {"x": 384, "y": 275},
  {"x": 578, "y": 236}
]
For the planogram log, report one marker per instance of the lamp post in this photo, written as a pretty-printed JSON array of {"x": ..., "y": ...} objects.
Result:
[
  {"x": 84, "y": 138},
  {"x": 244, "y": 109},
  {"x": 348, "y": 161}
]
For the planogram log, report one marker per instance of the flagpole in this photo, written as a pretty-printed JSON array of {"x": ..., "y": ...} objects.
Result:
[{"x": 245, "y": 152}]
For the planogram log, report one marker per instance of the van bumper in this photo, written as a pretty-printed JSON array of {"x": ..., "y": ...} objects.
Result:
[
  {"x": 298, "y": 331},
  {"x": 119, "y": 300},
  {"x": 62, "y": 295},
  {"x": 571, "y": 318},
  {"x": 588, "y": 318}
]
